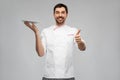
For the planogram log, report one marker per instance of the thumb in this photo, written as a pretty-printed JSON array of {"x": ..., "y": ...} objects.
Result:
[
  {"x": 32, "y": 23},
  {"x": 78, "y": 32}
]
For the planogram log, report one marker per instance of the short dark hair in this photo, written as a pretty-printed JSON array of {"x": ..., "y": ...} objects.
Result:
[{"x": 59, "y": 5}]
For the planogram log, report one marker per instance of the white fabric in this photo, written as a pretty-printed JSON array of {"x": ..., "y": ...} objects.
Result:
[{"x": 58, "y": 45}]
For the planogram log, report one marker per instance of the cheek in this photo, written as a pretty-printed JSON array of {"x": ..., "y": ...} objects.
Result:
[
  {"x": 64, "y": 16},
  {"x": 55, "y": 16}
]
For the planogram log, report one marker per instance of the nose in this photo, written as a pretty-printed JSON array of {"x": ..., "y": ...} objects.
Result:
[{"x": 60, "y": 14}]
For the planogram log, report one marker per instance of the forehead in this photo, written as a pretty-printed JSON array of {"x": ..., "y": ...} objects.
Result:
[{"x": 60, "y": 9}]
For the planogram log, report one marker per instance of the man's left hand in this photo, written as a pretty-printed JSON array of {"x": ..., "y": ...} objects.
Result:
[{"x": 77, "y": 37}]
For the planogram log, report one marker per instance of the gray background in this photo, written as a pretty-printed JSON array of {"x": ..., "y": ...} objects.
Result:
[{"x": 99, "y": 21}]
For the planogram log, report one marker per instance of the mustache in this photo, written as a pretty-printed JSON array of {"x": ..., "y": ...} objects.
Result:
[{"x": 60, "y": 17}]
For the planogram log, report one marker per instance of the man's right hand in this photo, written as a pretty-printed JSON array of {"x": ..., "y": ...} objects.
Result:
[
  {"x": 39, "y": 46},
  {"x": 31, "y": 26}
]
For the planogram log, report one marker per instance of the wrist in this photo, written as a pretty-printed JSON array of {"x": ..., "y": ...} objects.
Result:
[{"x": 36, "y": 32}]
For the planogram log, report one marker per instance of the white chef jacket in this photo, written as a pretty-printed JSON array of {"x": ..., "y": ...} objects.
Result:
[{"x": 59, "y": 43}]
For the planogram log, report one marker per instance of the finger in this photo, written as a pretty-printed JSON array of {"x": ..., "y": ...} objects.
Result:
[
  {"x": 27, "y": 23},
  {"x": 77, "y": 36},
  {"x": 78, "y": 32},
  {"x": 78, "y": 40},
  {"x": 32, "y": 23},
  {"x": 34, "y": 27}
]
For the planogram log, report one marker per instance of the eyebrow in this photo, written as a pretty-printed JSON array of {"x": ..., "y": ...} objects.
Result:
[{"x": 59, "y": 11}]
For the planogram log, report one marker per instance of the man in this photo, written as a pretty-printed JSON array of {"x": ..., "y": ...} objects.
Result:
[{"x": 57, "y": 43}]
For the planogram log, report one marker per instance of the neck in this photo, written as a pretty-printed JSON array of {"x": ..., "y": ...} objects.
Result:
[{"x": 59, "y": 25}]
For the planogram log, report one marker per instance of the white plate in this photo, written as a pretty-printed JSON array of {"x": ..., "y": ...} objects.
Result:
[{"x": 31, "y": 21}]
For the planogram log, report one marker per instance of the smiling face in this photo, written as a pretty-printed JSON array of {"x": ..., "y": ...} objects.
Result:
[{"x": 60, "y": 15}]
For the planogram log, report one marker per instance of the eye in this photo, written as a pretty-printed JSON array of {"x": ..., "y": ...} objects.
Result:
[
  {"x": 57, "y": 12},
  {"x": 63, "y": 12}
]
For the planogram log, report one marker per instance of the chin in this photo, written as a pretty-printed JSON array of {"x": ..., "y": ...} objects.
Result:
[{"x": 60, "y": 22}]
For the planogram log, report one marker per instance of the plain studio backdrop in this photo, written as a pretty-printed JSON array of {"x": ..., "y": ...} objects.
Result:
[{"x": 99, "y": 21}]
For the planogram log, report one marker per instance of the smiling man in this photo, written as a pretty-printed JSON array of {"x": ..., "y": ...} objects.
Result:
[{"x": 57, "y": 43}]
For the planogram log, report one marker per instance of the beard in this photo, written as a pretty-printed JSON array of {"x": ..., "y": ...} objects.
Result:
[{"x": 60, "y": 20}]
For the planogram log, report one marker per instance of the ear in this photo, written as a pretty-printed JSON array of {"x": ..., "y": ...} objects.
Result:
[
  {"x": 54, "y": 14},
  {"x": 66, "y": 14}
]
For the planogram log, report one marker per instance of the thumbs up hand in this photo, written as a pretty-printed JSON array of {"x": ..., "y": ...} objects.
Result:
[
  {"x": 77, "y": 37},
  {"x": 80, "y": 42}
]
